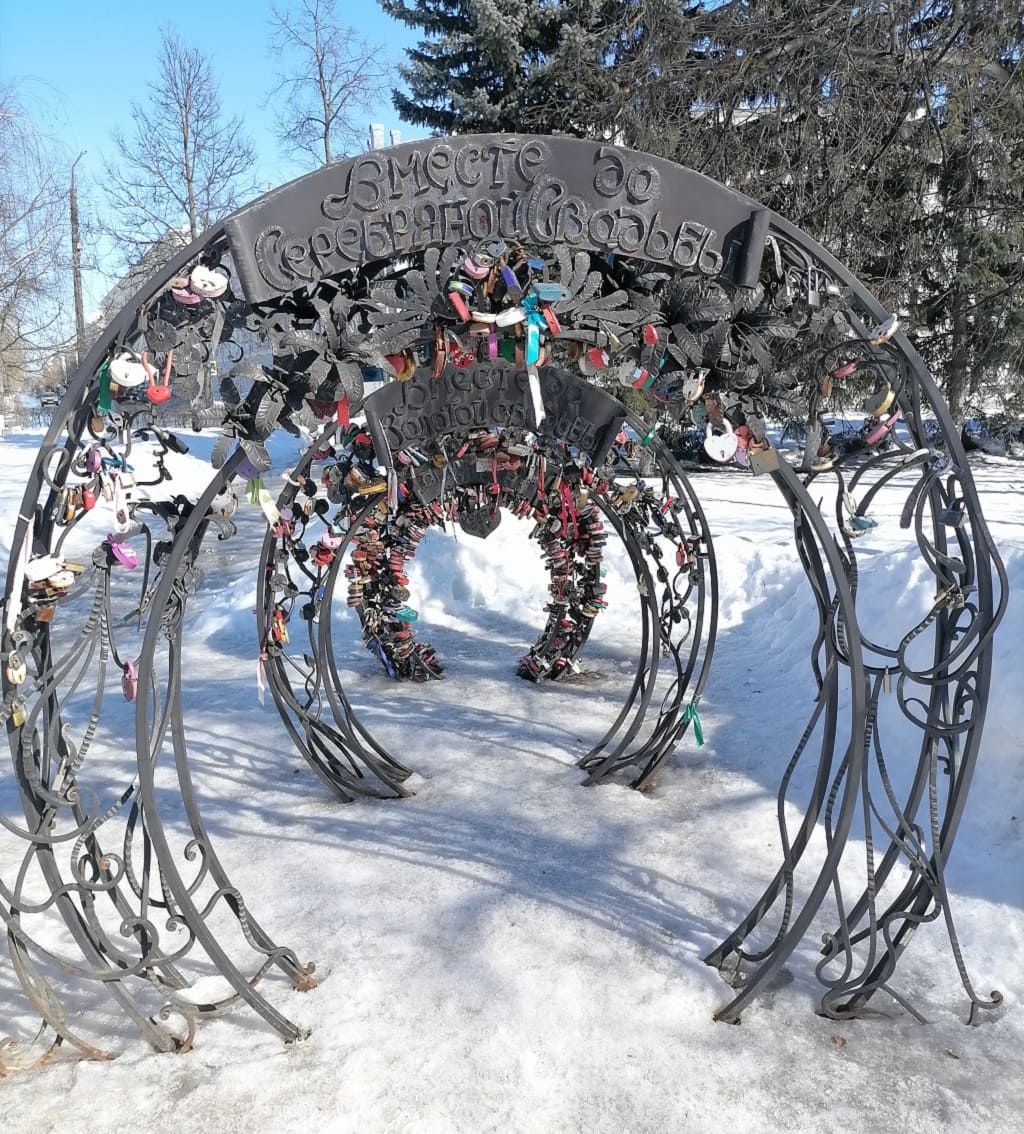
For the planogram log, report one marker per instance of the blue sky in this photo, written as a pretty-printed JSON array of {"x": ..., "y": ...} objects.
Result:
[{"x": 80, "y": 63}]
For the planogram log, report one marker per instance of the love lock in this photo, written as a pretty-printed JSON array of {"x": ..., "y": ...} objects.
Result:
[
  {"x": 481, "y": 521},
  {"x": 475, "y": 269},
  {"x": 884, "y": 427},
  {"x": 693, "y": 387},
  {"x": 43, "y": 568},
  {"x": 513, "y": 288},
  {"x": 127, "y": 371},
  {"x": 458, "y": 292},
  {"x": 547, "y": 292},
  {"x": 123, "y": 552},
  {"x": 510, "y": 316},
  {"x": 158, "y": 392},
  {"x": 880, "y": 401},
  {"x": 210, "y": 283},
  {"x": 720, "y": 442},
  {"x": 488, "y": 253},
  {"x": 884, "y": 331},
  {"x": 593, "y": 360},
  {"x": 16, "y": 669},
  {"x": 182, "y": 293},
  {"x": 462, "y": 358},
  {"x": 129, "y": 681}
]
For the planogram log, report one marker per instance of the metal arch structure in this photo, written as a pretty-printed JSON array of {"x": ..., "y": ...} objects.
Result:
[{"x": 506, "y": 286}]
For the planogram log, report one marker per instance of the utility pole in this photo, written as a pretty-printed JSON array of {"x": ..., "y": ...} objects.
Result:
[{"x": 76, "y": 267}]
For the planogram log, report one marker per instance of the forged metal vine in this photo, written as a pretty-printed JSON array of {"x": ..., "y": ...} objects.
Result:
[{"x": 507, "y": 287}]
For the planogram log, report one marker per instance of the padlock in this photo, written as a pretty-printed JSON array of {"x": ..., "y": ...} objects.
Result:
[
  {"x": 551, "y": 319},
  {"x": 813, "y": 288},
  {"x": 16, "y": 669},
  {"x": 884, "y": 331},
  {"x": 488, "y": 253},
  {"x": 129, "y": 681},
  {"x": 595, "y": 359},
  {"x": 762, "y": 461},
  {"x": 880, "y": 401},
  {"x": 158, "y": 392},
  {"x": 474, "y": 269},
  {"x": 458, "y": 292},
  {"x": 884, "y": 427},
  {"x": 18, "y": 714},
  {"x": 71, "y": 499},
  {"x": 461, "y": 358},
  {"x": 123, "y": 552},
  {"x": 720, "y": 442},
  {"x": 510, "y": 316},
  {"x": 43, "y": 567},
  {"x": 182, "y": 293},
  {"x": 126, "y": 371},
  {"x": 642, "y": 379},
  {"x": 693, "y": 387},
  {"x": 210, "y": 283}
]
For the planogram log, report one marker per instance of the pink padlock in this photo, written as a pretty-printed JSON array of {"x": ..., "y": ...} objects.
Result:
[
  {"x": 474, "y": 270},
  {"x": 123, "y": 552},
  {"x": 185, "y": 297},
  {"x": 883, "y": 427},
  {"x": 129, "y": 681}
]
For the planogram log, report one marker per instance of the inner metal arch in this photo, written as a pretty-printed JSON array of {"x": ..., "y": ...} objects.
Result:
[
  {"x": 306, "y": 561},
  {"x": 497, "y": 283}
]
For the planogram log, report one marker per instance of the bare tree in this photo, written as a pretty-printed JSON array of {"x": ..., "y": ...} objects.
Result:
[
  {"x": 329, "y": 76},
  {"x": 182, "y": 166},
  {"x": 33, "y": 248}
]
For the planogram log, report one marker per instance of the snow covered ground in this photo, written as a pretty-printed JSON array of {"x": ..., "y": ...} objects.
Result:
[{"x": 508, "y": 951}]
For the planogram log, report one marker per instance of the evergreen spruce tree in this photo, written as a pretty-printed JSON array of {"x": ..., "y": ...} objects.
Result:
[
  {"x": 475, "y": 69},
  {"x": 890, "y": 130}
]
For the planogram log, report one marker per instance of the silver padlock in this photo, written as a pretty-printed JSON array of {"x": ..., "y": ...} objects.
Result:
[{"x": 720, "y": 442}]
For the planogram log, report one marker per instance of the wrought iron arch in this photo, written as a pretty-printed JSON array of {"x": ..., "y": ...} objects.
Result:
[{"x": 505, "y": 287}]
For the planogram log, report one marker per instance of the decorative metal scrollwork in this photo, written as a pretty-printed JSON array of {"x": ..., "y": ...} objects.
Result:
[{"x": 507, "y": 288}]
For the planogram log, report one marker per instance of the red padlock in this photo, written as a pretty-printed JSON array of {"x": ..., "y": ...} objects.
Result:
[{"x": 158, "y": 392}]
